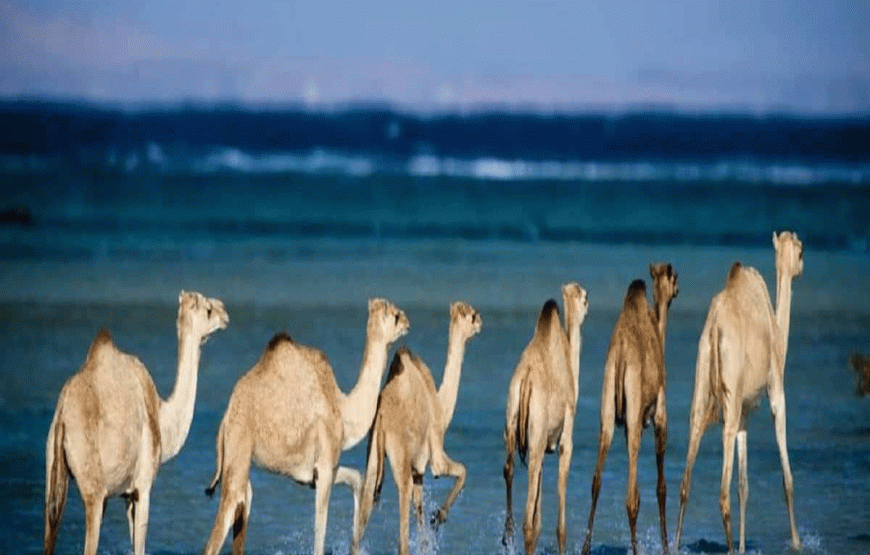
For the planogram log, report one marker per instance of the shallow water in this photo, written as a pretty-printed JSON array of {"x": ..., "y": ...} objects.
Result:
[{"x": 828, "y": 428}]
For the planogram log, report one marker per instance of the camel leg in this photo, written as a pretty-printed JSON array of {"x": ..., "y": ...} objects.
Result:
[
  {"x": 632, "y": 500},
  {"x": 233, "y": 495},
  {"x": 532, "y": 523},
  {"x": 140, "y": 519},
  {"x": 510, "y": 442},
  {"x": 661, "y": 431},
  {"x": 94, "y": 505},
  {"x": 323, "y": 490},
  {"x": 566, "y": 447},
  {"x": 442, "y": 464},
  {"x": 697, "y": 427},
  {"x": 404, "y": 483},
  {"x": 131, "y": 516},
  {"x": 729, "y": 434},
  {"x": 352, "y": 479},
  {"x": 508, "y": 473},
  {"x": 742, "y": 485},
  {"x": 604, "y": 439},
  {"x": 417, "y": 499},
  {"x": 777, "y": 407},
  {"x": 240, "y": 524}
]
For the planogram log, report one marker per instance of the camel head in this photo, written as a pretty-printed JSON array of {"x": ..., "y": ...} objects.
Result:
[
  {"x": 789, "y": 254},
  {"x": 200, "y": 315},
  {"x": 664, "y": 282},
  {"x": 386, "y": 321},
  {"x": 465, "y": 319},
  {"x": 576, "y": 301}
]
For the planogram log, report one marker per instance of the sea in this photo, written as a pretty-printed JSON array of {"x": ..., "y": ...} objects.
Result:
[{"x": 295, "y": 217}]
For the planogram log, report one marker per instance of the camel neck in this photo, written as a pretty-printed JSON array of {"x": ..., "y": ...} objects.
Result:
[
  {"x": 358, "y": 407},
  {"x": 783, "y": 311},
  {"x": 176, "y": 413},
  {"x": 575, "y": 342},
  {"x": 449, "y": 389},
  {"x": 662, "y": 320}
]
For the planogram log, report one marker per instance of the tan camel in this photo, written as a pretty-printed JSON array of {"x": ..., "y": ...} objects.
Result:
[
  {"x": 111, "y": 431},
  {"x": 541, "y": 402},
  {"x": 288, "y": 415},
  {"x": 740, "y": 354},
  {"x": 634, "y": 390},
  {"x": 409, "y": 428}
]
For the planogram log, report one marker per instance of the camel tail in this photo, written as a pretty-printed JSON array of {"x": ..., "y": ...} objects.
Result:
[
  {"x": 523, "y": 419},
  {"x": 219, "y": 462},
  {"x": 56, "y": 482},
  {"x": 375, "y": 465},
  {"x": 374, "y": 478}
]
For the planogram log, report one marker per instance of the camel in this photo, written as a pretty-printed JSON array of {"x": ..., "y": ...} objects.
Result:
[
  {"x": 288, "y": 415},
  {"x": 409, "y": 427},
  {"x": 541, "y": 402},
  {"x": 861, "y": 366},
  {"x": 112, "y": 432},
  {"x": 633, "y": 392},
  {"x": 741, "y": 352}
]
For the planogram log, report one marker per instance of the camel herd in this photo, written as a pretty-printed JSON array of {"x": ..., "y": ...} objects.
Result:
[{"x": 111, "y": 431}]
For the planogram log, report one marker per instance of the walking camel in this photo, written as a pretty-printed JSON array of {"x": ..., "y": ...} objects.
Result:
[
  {"x": 409, "y": 428},
  {"x": 111, "y": 431},
  {"x": 741, "y": 353},
  {"x": 541, "y": 402},
  {"x": 634, "y": 390},
  {"x": 288, "y": 416}
]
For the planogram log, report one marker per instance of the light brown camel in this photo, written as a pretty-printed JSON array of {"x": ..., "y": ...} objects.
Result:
[
  {"x": 634, "y": 390},
  {"x": 541, "y": 401},
  {"x": 740, "y": 354},
  {"x": 288, "y": 415},
  {"x": 111, "y": 431},
  {"x": 409, "y": 427}
]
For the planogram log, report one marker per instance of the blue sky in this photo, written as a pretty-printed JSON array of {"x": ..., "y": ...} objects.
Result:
[{"x": 797, "y": 55}]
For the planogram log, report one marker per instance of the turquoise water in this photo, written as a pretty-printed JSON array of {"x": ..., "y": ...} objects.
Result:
[{"x": 303, "y": 252}]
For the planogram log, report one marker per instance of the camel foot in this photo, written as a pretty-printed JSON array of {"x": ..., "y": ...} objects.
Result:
[
  {"x": 439, "y": 517},
  {"x": 507, "y": 537}
]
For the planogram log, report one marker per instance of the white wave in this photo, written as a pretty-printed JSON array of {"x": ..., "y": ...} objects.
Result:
[{"x": 487, "y": 168}]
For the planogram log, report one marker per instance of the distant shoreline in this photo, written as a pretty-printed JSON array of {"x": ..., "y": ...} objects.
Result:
[{"x": 40, "y": 127}]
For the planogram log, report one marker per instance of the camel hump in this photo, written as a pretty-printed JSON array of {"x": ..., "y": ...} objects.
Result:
[
  {"x": 548, "y": 318},
  {"x": 277, "y": 340},
  {"x": 735, "y": 270},
  {"x": 636, "y": 294},
  {"x": 397, "y": 365},
  {"x": 101, "y": 342}
]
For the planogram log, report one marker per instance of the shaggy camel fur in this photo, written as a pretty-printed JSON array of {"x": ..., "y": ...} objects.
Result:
[
  {"x": 740, "y": 354},
  {"x": 111, "y": 431},
  {"x": 409, "y": 427},
  {"x": 541, "y": 402},
  {"x": 634, "y": 390},
  {"x": 288, "y": 415}
]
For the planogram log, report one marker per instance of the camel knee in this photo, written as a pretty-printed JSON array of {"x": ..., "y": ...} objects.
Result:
[
  {"x": 684, "y": 489},
  {"x": 662, "y": 489},
  {"x": 632, "y": 506},
  {"x": 725, "y": 506}
]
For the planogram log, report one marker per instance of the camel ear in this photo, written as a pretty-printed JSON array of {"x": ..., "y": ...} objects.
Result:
[
  {"x": 775, "y": 238},
  {"x": 181, "y": 296}
]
